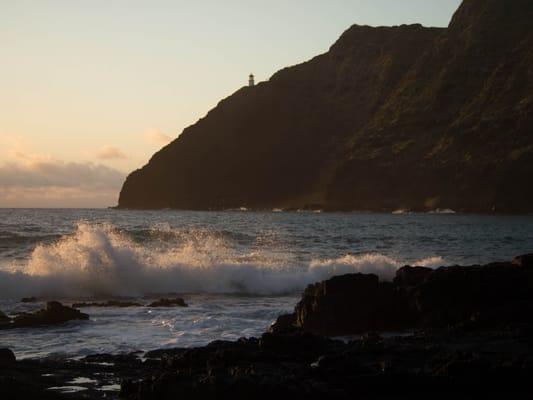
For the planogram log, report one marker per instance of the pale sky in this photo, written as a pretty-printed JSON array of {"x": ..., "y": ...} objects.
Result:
[{"x": 90, "y": 89}]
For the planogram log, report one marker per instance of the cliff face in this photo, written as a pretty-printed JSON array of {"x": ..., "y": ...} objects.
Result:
[
  {"x": 458, "y": 130},
  {"x": 388, "y": 118},
  {"x": 495, "y": 294}
]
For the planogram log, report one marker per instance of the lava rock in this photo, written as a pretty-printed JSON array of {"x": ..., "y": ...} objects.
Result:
[
  {"x": 4, "y": 317},
  {"x": 496, "y": 293},
  {"x": 353, "y": 303},
  {"x": 451, "y": 295},
  {"x": 5, "y": 321},
  {"x": 525, "y": 261},
  {"x": 54, "y": 313},
  {"x": 164, "y": 353},
  {"x": 411, "y": 276},
  {"x": 29, "y": 300},
  {"x": 129, "y": 358},
  {"x": 109, "y": 303},
  {"x": 177, "y": 302},
  {"x": 284, "y": 324},
  {"x": 7, "y": 357}
]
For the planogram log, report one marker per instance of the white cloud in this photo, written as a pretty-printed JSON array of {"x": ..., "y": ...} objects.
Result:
[
  {"x": 37, "y": 181},
  {"x": 156, "y": 136},
  {"x": 57, "y": 197},
  {"x": 110, "y": 153}
]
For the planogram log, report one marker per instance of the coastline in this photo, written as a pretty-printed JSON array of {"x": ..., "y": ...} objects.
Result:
[
  {"x": 469, "y": 343},
  {"x": 303, "y": 209},
  {"x": 333, "y": 210}
]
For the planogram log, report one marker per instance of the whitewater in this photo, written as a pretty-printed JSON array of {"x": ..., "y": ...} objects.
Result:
[{"x": 238, "y": 270}]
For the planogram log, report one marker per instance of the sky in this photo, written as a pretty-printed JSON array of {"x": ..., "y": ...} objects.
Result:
[{"x": 90, "y": 89}]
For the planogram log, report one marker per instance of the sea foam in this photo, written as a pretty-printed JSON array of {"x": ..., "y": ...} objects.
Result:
[{"x": 99, "y": 260}]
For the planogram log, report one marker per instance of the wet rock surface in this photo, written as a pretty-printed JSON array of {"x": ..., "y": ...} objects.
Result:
[
  {"x": 53, "y": 313},
  {"x": 463, "y": 362},
  {"x": 109, "y": 303},
  {"x": 467, "y": 334},
  {"x": 51, "y": 378},
  {"x": 176, "y": 302},
  {"x": 4, "y": 319},
  {"x": 29, "y": 300},
  {"x": 496, "y": 293},
  {"x": 525, "y": 261},
  {"x": 7, "y": 357}
]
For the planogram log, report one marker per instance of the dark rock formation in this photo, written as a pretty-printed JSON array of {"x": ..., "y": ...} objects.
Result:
[
  {"x": 473, "y": 342},
  {"x": 298, "y": 365},
  {"x": 49, "y": 378},
  {"x": 130, "y": 358},
  {"x": 411, "y": 276},
  {"x": 418, "y": 297},
  {"x": 401, "y": 117},
  {"x": 54, "y": 313},
  {"x": 454, "y": 294},
  {"x": 164, "y": 353},
  {"x": 7, "y": 357},
  {"x": 351, "y": 304},
  {"x": 29, "y": 300},
  {"x": 5, "y": 321},
  {"x": 525, "y": 261},
  {"x": 478, "y": 344},
  {"x": 109, "y": 303},
  {"x": 177, "y": 302}
]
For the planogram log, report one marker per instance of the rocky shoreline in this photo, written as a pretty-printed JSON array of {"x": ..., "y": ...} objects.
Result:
[
  {"x": 461, "y": 332},
  {"x": 419, "y": 297}
]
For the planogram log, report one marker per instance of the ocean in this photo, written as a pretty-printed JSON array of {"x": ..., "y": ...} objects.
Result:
[{"x": 237, "y": 270}]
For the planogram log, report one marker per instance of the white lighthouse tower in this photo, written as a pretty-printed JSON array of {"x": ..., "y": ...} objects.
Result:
[{"x": 251, "y": 81}]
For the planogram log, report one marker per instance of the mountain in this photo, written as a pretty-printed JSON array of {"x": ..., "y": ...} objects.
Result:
[{"x": 390, "y": 117}]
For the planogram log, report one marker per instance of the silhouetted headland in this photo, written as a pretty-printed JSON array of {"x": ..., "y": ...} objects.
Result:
[{"x": 390, "y": 117}]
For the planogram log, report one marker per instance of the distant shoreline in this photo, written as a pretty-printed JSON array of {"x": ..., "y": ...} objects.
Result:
[
  {"x": 443, "y": 211},
  {"x": 290, "y": 210}
]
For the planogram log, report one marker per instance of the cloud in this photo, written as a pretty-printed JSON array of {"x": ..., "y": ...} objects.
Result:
[
  {"x": 37, "y": 181},
  {"x": 110, "y": 153},
  {"x": 157, "y": 137},
  {"x": 56, "y": 197},
  {"x": 60, "y": 174}
]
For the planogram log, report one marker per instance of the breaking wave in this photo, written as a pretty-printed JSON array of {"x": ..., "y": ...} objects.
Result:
[{"x": 98, "y": 260}]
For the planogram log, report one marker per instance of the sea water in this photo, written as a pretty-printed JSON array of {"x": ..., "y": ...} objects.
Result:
[{"x": 237, "y": 270}]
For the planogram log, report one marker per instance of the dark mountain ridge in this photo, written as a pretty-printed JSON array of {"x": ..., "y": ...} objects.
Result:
[{"x": 390, "y": 117}]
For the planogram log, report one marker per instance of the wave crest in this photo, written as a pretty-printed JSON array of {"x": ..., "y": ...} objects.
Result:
[{"x": 99, "y": 260}]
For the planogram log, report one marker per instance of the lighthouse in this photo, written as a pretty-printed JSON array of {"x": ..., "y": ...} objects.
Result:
[{"x": 251, "y": 80}]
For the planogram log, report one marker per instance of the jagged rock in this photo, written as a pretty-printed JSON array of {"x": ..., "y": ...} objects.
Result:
[
  {"x": 525, "y": 261},
  {"x": 4, "y": 317},
  {"x": 162, "y": 353},
  {"x": 306, "y": 366},
  {"x": 411, "y": 276},
  {"x": 488, "y": 356},
  {"x": 29, "y": 300},
  {"x": 353, "y": 303},
  {"x": 284, "y": 324},
  {"x": 7, "y": 357},
  {"x": 297, "y": 345},
  {"x": 453, "y": 294},
  {"x": 130, "y": 358},
  {"x": 475, "y": 296},
  {"x": 54, "y": 313},
  {"x": 177, "y": 302},
  {"x": 109, "y": 303},
  {"x": 5, "y": 321}
]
